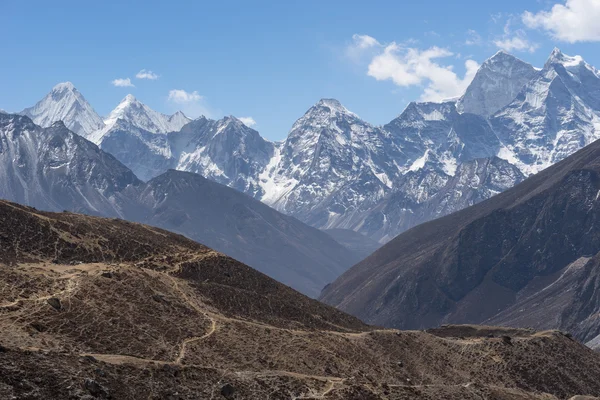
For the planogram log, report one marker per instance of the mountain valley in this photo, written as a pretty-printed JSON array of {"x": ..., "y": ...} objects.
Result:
[{"x": 300, "y": 201}]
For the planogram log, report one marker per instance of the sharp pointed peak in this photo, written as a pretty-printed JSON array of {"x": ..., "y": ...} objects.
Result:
[
  {"x": 334, "y": 105},
  {"x": 558, "y": 57},
  {"x": 502, "y": 53},
  {"x": 501, "y": 56},
  {"x": 129, "y": 99},
  {"x": 63, "y": 86},
  {"x": 329, "y": 101},
  {"x": 231, "y": 119},
  {"x": 556, "y": 52}
]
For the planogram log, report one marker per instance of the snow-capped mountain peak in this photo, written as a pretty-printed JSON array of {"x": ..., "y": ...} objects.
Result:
[
  {"x": 496, "y": 83},
  {"x": 141, "y": 116},
  {"x": 554, "y": 115},
  {"x": 558, "y": 57},
  {"x": 179, "y": 118},
  {"x": 334, "y": 170},
  {"x": 120, "y": 110},
  {"x": 334, "y": 105},
  {"x": 231, "y": 120},
  {"x": 66, "y": 103},
  {"x": 63, "y": 86},
  {"x": 322, "y": 115}
]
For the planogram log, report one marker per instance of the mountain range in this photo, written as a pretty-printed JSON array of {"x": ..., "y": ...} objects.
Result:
[
  {"x": 336, "y": 171},
  {"x": 527, "y": 257},
  {"x": 495, "y": 192},
  {"x": 55, "y": 169}
]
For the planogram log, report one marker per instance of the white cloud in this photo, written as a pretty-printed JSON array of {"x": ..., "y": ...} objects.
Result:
[
  {"x": 191, "y": 103},
  {"x": 146, "y": 74},
  {"x": 248, "y": 121},
  {"x": 122, "y": 82},
  {"x": 473, "y": 38},
  {"x": 516, "y": 42},
  {"x": 361, "y": 47},
  {"x": 364, "y": 41},
  {"x": 410, "y": 66},
  {"x": 182, "y": 97},
  {"x": 575, "y": 21}
]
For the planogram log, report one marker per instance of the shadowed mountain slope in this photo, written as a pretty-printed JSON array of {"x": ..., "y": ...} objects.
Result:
[{"x": 242, "y": 227}]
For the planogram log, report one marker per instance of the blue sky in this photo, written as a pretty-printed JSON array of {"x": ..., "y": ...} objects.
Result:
[{"x": 271, "y": 60}]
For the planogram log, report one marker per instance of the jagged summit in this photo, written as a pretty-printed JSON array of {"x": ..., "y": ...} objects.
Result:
[
  {"x": 555, "y": 114},
  {"x": 500, "y": 54},
  {"x": 322, "y": 113},
  {"x": 180, "y": 114},
  {"x": 428, "y": 110},
  {"x": 233, "y": 119},
  {"x": 63, "y": 86},
  {"x": 333, "y": 105},
  {"x": 558, "y": 57},
  {"x": 141, "y": 116},
  {"x": 496, "y": 83},
  {"x": 66, "y": 103},
  {"x": 130, "y": 98}
]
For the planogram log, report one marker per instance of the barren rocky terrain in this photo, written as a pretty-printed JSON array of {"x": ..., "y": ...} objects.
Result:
[{"x": 102, "y": 308}]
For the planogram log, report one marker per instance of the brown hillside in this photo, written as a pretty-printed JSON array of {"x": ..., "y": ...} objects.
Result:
[{"x": 99, "y": 308}]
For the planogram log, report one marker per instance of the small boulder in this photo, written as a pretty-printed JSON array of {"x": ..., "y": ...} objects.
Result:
[
  {"x": 227, "y": 391},
  {"x": 38, "y": 326},
  {"x": 159, "y": 298},
  {"x": 55, "y": 303},
  {"x": 95, "y": 388}
]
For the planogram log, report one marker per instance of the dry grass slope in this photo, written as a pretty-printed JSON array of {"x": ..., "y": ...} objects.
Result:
[{"x": 97, "y": 308}]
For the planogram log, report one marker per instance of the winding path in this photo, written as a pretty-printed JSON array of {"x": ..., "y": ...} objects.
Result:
[{"x": 141, "y": 362}]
